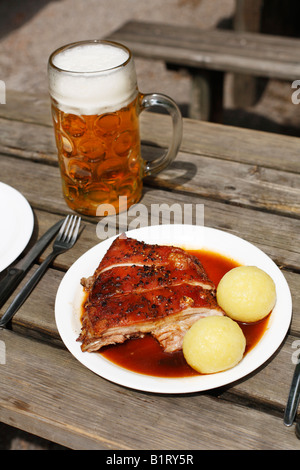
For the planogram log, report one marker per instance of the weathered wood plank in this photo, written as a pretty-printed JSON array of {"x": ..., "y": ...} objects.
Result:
[
  {"x": 42, "y": 188},
  {"x": 258, "y": 228},
  {"x": 241, "y": 184},
  {"x": 254, "y": 53},
  {"x": 247, "y": 17},
  {"x": 15, "y": 142},
  {"x": 126, "y": 419},
  {"x": 265, "y": 149},
  {"x": 36, "y": 319},
  {"x": 69, "y": 413},
  {"x": 246, "y": 185},
  {"x": 213, "y": 50},
  {"x": 170, "y": 34},
  {"x": 27, "y": 107},
  {"x": 223, "y": 142},
  {"x": 261, "y": 385}
]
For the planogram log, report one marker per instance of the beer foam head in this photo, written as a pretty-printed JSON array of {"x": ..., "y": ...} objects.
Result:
[{"x": 92, "y": 77}]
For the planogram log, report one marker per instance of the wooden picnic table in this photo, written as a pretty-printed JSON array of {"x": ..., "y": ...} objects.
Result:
[{"x": 249, "y": 183}]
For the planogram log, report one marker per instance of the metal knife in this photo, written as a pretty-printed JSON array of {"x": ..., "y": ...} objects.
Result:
[
  {"x": 16, "y": 273},
  {"x": 294, "y": 397}
]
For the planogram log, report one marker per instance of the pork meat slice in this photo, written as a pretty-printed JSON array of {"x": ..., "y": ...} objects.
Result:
[
  {"x": 137, "y": 279},
  {"x": 167, "y": 262},
  {"x": 166, "y": 313},
  {"x": 154, "y": 289}
]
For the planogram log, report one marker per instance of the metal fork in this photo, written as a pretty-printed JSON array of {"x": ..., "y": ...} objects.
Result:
[{"x": 65, "y": 239}]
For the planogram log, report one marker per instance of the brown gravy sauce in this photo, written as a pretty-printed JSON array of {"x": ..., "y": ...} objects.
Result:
[{"x": 145, "y": 355}]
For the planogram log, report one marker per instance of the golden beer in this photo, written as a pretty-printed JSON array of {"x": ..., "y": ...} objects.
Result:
[
  {"x": 99, "y": 157},
  {"x": 95, "y": 109}
]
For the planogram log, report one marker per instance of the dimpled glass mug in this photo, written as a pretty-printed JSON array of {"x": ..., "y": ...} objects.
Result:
[{"x": 95, "y": 108}]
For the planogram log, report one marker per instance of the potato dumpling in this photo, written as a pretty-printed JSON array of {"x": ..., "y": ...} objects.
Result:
[
  {"x": 214, "y": 344},
  {"x": 246, "y": 294}
]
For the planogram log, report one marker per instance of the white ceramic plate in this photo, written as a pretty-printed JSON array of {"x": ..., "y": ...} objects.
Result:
[
  {"x": 16, "y": 227},
  {"x": 69, "y": 298}
]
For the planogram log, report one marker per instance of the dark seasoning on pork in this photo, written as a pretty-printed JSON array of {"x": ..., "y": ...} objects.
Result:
[{"x": 140, "y": 288}]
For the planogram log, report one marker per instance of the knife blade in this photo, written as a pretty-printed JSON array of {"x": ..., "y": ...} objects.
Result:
[
  {"x": 294, "y": 397},
  {"x": 16, "y": 273}
]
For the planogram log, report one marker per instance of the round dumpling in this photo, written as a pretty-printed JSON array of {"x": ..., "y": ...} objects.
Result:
[
  {"x": 214, "y": 344},
  {"x": 246, "y": 294}
]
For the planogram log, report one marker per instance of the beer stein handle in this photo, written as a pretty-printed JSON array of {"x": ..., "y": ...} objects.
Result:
[{"x": 157, "y": 99}]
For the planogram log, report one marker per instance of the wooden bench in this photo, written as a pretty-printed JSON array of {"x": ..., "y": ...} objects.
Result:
[{"x": 208, "y": 54}]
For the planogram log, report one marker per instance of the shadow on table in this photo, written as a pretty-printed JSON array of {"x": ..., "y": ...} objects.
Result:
[
  {"x": 14, "y": 14},
  {"x": 252, "y": 120},
  {"x": 15, "y": 439}
]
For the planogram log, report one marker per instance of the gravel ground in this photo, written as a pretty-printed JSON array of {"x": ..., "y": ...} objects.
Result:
[{"x": 30, "y": 30}]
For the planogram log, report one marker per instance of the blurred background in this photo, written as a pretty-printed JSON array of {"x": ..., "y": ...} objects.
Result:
[{"x": 31, "y": 29}]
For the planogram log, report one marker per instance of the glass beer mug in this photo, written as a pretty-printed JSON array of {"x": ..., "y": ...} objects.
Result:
[{"x": 95, "y": 107}]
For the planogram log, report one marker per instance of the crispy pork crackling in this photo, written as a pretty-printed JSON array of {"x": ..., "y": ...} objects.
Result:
[{"x": 139, "y": 288}]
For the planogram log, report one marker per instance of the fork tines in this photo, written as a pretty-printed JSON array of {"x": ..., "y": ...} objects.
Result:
[{"x": 67, "y": 231}]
